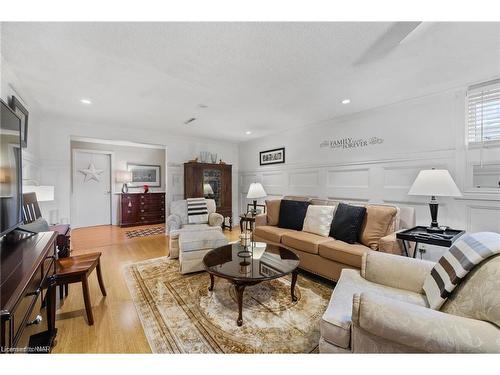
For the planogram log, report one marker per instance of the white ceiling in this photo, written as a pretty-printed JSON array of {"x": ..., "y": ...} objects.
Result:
[{"x": 259, "y": 77}]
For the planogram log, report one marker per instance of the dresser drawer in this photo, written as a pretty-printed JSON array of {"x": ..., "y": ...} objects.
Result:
[
  {"x": 25, "y": 305},
  {"x": 35, "y": 323}
]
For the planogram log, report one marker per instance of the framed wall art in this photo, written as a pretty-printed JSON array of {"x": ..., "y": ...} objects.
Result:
[
  {"x": 23, "y": 114},
  {"x": 275, "y": 156},
  {"x": 144, "y": 174}
]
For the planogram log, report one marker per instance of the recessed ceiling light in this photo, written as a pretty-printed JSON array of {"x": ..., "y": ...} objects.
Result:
[
  {"x": 202, "y": 105},
  {"x": 86, "y": 101},
  {"x": 248, "y": 132},
  {"x": 346, "y": 101}
]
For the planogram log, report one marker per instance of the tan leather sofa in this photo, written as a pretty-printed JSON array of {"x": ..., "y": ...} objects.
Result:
[
  {"x": 383, "y": 309},
  {"x": 326, "y": 256}
]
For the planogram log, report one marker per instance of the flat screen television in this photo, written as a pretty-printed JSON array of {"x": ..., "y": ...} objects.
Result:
[{"x": 10, "y": 170}]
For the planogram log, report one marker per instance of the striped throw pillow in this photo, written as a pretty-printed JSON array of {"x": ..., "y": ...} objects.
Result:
[{"x": 456, "y": 263}]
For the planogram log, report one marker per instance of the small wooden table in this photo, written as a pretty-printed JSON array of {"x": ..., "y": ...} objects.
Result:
[
  {"x": 247, "y": 221},
  {"x": 246, "y": 266}
]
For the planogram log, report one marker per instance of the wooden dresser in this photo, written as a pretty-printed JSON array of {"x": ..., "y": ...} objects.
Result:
[
  {"x": 142, "y": 209},
  {"x": 27, "y": 280},
  {"x": 197, "y": 177}
]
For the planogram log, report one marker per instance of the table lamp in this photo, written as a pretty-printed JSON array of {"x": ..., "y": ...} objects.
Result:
[
  {"x": 256, "y": 191},
  {"x": 124, "y": 177},
  {"x": 207, "y": 190},
  {"x": 434, "y": 183}
]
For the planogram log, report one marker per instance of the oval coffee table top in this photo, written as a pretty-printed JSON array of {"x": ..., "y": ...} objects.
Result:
[{"x": 258, "y": 263}]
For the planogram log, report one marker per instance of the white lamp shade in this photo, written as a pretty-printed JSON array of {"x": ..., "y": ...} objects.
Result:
[
  {"x": 256, "y": 190},
  {"x": 43, "y": 193},
  {"x": 435, "y": 182},
  {"x": 124, "y": 176},
  {"x": 207, "y": 189}
]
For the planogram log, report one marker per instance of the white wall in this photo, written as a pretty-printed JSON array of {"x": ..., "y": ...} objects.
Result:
[
  {"x": 55, "y": 150},
  {"x": 417, "y": 134},
  {"x": 121, "y": 156},
  {"x": 31, "y": 153}
]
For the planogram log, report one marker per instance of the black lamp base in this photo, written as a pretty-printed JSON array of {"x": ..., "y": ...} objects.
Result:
[
  {"x": 433, "y": 207},
  {"x": 434, "y": 230}
]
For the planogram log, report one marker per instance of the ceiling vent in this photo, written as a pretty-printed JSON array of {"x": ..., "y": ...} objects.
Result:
[{"x": 190, "y": 120}]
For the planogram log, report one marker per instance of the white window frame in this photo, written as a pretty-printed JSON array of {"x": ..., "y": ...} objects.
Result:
[{"x": 474, "y": 89}]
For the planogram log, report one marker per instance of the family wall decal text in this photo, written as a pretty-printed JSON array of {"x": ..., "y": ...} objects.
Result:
[{"x": 349, "y": 143}]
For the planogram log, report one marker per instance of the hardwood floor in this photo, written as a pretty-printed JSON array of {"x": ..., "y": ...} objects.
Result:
[{"x": 117, "y": 328}]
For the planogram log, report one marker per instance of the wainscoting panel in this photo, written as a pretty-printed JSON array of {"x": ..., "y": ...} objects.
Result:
[
  {"x": 303, "y": 178},
  {"x": 483, "y": 218},
  {"x": 348, "y": 178},
  {"x": 385, "y": 181}
]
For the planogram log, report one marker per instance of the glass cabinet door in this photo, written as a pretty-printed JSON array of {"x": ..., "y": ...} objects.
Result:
[{"x": 212, "y": 185}]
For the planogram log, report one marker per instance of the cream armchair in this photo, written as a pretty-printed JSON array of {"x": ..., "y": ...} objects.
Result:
[
  {"x": 177, "y": 222},
  {"x": 383, "y": 309}
]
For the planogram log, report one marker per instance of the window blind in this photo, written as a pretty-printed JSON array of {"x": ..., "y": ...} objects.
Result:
[{"x": 483, "y": 113}]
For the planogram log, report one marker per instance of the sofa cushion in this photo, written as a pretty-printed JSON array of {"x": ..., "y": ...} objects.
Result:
[
  {"x": 201, "y": 240},
  {"x": 273, "y": 211},
  {"x": 271, "y": 233},
  {"x": 378, "y": 220},
  {"x": 303, "y": 241},
  {"x": 335, "y": 325},
  {"x": 342, "y": 252},
  {"x": 347, "y": 222},
  {"x": 292, "y": 214},
  {"x": 318, "y": 220}
]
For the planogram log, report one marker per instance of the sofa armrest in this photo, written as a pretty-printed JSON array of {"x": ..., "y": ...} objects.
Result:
[
  {"x": 174, "y": 222},
  {"x": 260, "y": 220},
  {"x": 422, "y": 328},
  {"x": 215, "y": 219},
  {"x": 390, "y": 244},
  {"x": 395, "y": 271}
]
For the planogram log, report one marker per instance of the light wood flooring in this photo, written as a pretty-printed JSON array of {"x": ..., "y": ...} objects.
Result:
[{"x": 117, "y": 328}]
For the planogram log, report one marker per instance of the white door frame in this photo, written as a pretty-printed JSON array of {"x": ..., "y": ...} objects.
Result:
[{"x": 112, "y": 180}]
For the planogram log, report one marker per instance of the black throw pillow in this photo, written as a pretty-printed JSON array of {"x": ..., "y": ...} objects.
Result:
[
  {"x": 347, "y": 223},
  {"x": 292, "y": 214}
]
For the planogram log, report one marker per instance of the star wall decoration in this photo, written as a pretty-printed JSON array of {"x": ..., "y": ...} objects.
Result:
[{"x": 91, "y": 173}]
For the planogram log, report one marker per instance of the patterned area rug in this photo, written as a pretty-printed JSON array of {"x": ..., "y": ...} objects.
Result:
[
  {"x": 145, "y": 232},
  {"x": 180, "y": 315}
]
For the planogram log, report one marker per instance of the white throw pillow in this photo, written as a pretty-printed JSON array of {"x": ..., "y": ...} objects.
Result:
[{"x": 318, "y": 220}]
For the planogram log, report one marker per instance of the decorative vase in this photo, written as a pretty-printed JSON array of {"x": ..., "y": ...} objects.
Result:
[
  {"x": 146, "y": 188},
  {"x": 204, "y": 155}
]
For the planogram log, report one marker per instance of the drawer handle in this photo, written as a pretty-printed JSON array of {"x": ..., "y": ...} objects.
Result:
[
  {"x": 38, "y": 319},
  {"x": 142, "y": 218},
  {"x": 142, "y": 202},
  {"x": 142, "y": 210}
]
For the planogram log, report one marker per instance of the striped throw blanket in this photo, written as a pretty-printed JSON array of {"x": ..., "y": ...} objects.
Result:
[
  {"x": 466, "y": 253},
  {"x": 197, "y": 211}
]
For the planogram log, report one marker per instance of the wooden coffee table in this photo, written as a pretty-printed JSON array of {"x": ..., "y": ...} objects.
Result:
[{"x": 246, "y": 266}]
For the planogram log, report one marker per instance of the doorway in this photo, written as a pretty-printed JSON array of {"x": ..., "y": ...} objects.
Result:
[{"x": 91, "y": 198}]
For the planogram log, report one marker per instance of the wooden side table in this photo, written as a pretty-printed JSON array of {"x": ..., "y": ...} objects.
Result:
[
  {"x": 419, "y": 235},
  {"x": 247, "y": 222}
]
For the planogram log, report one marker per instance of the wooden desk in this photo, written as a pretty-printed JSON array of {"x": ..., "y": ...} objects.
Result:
[{"x": 27, "y": 269}]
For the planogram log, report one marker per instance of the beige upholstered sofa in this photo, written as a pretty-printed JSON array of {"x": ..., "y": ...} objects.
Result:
[
  {"x": 326, "y": 256},
  {"x": 383, "y": 309}
]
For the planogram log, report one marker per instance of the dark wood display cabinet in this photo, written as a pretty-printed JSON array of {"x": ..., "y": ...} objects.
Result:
[
  {"x": 142, "y": 209},
  {"x": 213, "y": 181}
]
